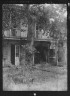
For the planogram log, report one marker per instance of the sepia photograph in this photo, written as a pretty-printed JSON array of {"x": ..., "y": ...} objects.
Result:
[{"x": 34, "y": 47}]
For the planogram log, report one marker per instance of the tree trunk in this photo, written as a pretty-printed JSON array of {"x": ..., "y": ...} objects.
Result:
[
  {"x": 30, "y": 37},
  {"x": 31, "y": 29},
  {"x": 31, "y": 33}
]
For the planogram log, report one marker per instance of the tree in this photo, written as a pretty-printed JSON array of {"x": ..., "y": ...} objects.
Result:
[{"x": 47, "y": 17}]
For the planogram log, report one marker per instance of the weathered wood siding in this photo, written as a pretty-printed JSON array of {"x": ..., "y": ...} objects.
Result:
[{"x": 6, "y": 53}]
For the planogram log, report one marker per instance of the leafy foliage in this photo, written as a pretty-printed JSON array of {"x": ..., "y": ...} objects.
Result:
[
  {"x": 29, "y": 50},
  {"x": 50, "y": 17},
  {"x": 42, "y": 13}
]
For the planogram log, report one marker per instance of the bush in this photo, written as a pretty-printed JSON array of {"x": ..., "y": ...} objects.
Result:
[{"x": 29, "y": 51}]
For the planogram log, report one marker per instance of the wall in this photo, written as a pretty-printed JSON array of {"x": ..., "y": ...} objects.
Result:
[
  {"x": 6, "y": 53},
  {"x": 62, "y": 54},
  {"x": 65, "y": 52}
]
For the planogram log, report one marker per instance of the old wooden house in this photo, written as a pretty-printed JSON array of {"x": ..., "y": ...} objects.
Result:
[{"x": 14, "y": 38}]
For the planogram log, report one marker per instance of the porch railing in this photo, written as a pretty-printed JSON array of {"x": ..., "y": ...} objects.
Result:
[
  {"x": 15, "y": 33},
  {"x": 40, "y": 36}
]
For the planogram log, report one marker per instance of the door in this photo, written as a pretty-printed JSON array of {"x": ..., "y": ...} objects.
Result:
[
  {"x": 17, "y": 55},
  {"x": 13, "y": 54},
  {"x": 52, "y": 57}
]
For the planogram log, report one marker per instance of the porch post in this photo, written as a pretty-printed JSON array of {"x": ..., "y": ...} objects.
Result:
[
  {"x": 57, "y": 52},
  {"x": 48, "y": 53},
  {"x": 33, "y": 58}
]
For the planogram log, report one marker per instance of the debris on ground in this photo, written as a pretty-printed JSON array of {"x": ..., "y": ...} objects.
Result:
[{"x": 41, "y": 77}]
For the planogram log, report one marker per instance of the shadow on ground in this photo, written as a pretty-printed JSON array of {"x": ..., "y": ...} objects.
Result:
[{"x": 40, "y": 78}]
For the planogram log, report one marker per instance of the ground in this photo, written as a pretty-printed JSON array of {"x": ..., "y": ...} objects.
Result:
[{"x": 43, "y": 77}]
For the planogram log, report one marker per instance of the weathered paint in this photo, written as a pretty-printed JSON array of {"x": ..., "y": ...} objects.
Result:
[{"x": 7, "y": 52}]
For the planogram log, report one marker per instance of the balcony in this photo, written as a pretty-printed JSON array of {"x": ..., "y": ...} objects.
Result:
[
  {"x": 15, "y": 33},
  {"x": 41, "y": 36}
]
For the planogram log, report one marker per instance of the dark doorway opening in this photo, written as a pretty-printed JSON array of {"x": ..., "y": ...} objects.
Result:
[
  {"x": 13, "y": 54},
  {"x": 44, "y": 54},
  {"x": 52, "y": 58},
  {"x": 41, "y": 56}
]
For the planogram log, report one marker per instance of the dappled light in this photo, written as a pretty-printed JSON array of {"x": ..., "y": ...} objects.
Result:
[{"x": 34, "y": 47}]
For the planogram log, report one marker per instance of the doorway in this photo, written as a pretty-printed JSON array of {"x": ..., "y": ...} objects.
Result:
[
  {"x": 41, "y": 56},
  {"x": 15, "y": 54}
]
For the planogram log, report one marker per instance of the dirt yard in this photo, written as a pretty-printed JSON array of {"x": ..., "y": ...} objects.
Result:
[{"x": 41, "y": 78}]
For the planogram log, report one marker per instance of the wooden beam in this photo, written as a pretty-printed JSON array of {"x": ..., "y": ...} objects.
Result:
[
  {"x": 33, "y": 58},
  {"x": 57, "y": 52}
]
